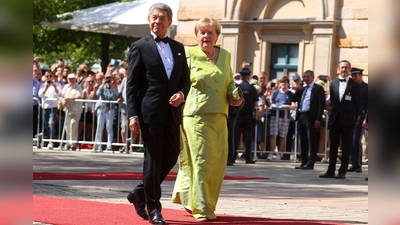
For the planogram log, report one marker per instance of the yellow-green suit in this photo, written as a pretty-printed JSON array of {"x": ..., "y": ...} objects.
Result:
[{"x": 204, "y": 147}]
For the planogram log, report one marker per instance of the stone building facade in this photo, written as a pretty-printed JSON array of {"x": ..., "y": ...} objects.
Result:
[{"x": 279, "y": 35}]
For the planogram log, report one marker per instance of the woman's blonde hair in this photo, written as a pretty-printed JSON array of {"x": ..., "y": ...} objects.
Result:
[{"x": 207, "y": 22}]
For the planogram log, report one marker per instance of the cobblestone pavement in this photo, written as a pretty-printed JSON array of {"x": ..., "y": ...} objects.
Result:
[{"x": 287, "y": 194}]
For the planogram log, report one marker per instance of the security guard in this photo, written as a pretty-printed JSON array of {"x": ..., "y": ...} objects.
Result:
[
  {"x": 244, "y": 120},
  {"x": 356, "y": 150}
]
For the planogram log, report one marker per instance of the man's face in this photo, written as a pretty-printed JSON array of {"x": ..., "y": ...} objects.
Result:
[
  {"x": 159, "y": 22},
  {"x": 65, "y": 72},
  {"x": 59, "y": 71},
  {"x": 72, "y": 81},
  {"x": 357, "y": 77},
  {"x": 307, "y": 78},
  {"x": 49, "y": 75},
  {"x": 296, "y": 83},
  {"x": 283, "y": 85},
  {"x": 344, "y": 69}
]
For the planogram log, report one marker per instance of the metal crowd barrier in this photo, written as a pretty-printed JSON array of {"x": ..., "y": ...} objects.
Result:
[
  {"x": 60, "y": 133},
  {"x": 295, "y": 151},
  {"x": 38, "y": 135}
]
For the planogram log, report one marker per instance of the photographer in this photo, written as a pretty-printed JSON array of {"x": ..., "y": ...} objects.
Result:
[
  {"x": 106, "y": 111},
  {"x": 49, "y": 89},
  {"x": 82, "y": 73}
]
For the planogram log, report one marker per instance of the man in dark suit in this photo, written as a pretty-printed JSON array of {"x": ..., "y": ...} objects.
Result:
[
  {"x": 310, "y": 107},
  {"x": 345, "y": 108},
  {"x": 356, "y": 151},
  {"x": 158, "y": 81}
]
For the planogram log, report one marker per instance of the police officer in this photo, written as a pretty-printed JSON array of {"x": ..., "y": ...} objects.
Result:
[
  {"x": 356, "y": 150},
  {"x": 244, "y": 120}
]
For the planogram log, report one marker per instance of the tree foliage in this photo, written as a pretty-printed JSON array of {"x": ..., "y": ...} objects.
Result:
[{"x": 75, "y": 47}]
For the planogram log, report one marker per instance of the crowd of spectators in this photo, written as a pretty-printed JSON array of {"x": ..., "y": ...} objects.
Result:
[
  {"x": 278, "y": 136},
  {"x": 55, "y": 90},
  {"x": 89, "y": 118}
]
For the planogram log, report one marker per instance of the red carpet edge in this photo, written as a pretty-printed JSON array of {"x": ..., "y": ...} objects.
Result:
[{"x": 116, "y": 176}]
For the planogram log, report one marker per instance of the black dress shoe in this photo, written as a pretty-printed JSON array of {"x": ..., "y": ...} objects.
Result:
[
  {"x": 156, "y": 218},
  {"x": 352, "y": 169},
  {"x": 308, "y": 166},
  {"x": 359, "y": 170},
  {"x": 327, "y": 175},
  {"x": 340, "y": 176},
  {"x": 139, "y": 205},
  {"x": 229, "y": 163},
  {"x": 251, "y": 162},
  {"x": 299, "y": 167}
]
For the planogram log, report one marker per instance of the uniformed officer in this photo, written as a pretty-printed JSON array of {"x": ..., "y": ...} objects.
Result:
[
  {"x": 356, "y": 150},
  {"x": 244, "y": 120}
]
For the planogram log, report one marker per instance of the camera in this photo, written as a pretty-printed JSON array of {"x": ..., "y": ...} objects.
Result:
[
  {"x": 49, "y": 81},
  {"x": 82, "y": 71},
  {"x": 108, "y": 80},
  {"x": 324, "y": 78},
  {"x": 248, "y": 63},
  {"x": 272, "y": 84}
]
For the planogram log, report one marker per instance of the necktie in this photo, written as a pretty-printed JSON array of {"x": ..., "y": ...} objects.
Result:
[
  {"x": 303, "y": 97},
  {"x": 165, "y": 39},
  {"x": 342, "y": 80}
]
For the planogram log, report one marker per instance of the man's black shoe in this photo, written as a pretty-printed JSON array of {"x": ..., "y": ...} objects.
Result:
[
  {"x": 156, "y": 218},
  {"x": 352, "y": 169},
  {"x": 340, "y": 176},
  {"x": 299, "y": 167},
  {"x": 251, "y": 162},
  {"x": 308, "y": 166},
  {"x": 229, "y": 163},
  {"x": 139, "y": 205},
  {"x": 327, "y": 175},
  {"x": 359, "y": 170}
]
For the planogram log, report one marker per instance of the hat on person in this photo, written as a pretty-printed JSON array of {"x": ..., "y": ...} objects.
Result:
[
  {"x": 71, "y": 75},
  {"x": 355, "y": 70},
  {"x": 236, "y": 75},
  {"x": 296, "y": 77},
  {"x": 245, "y": 72},
  {"x": 253, "y": 82}
]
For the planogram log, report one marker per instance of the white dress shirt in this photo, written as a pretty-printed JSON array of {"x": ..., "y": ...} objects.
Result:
[{"x": 166, "y": 55}]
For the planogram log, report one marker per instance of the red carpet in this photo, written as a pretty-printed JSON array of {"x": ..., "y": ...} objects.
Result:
[
  {"x": 116, "y": 176},
  {"x": 61, "y": 211}
]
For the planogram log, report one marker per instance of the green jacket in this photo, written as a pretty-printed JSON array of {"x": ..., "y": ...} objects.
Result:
[{"x": 210, "y": 84}]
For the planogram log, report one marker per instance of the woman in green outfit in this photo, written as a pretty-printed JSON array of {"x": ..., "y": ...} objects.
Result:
[{"x": 204, "y": 149}]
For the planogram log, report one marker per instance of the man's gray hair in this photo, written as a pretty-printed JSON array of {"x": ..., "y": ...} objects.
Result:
[{"x": 161, "y": 6}]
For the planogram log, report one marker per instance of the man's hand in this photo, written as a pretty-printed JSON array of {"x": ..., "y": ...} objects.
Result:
[
  {"x": 134, "y": 125},
  {"x": 317, "y": 123},
  {"x": 365, "y": 124},
  {"x": 176, "y": 99},
  {"x": 63, "y": 101}
]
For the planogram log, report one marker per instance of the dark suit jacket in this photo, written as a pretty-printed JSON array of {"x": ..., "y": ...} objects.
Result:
[
  {"x": 317, "y": 102},
  {"x": 148, "y": 88},
  {"x": 345, "y": 111}
]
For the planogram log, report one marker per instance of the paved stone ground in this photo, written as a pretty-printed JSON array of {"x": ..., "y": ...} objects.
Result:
[{"x": 287, "y": 194}]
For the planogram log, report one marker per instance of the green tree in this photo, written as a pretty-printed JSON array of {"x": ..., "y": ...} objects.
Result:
[{"x": 75, "y": 47}]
